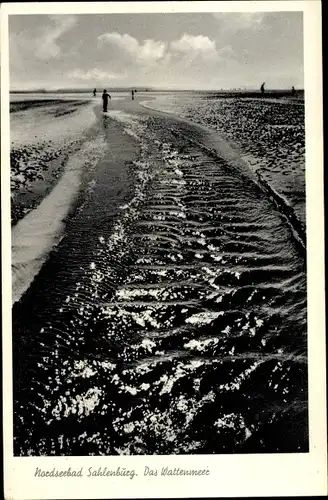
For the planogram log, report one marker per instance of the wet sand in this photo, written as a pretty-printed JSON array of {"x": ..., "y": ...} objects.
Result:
[
  {"x": 169, "y": 312},
  {"x": 44, "y": 134},
  {"x": 268, "y": 133}
]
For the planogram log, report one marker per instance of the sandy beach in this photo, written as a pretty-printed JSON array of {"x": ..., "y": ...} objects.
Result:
[{"x": 159, "y": 293}]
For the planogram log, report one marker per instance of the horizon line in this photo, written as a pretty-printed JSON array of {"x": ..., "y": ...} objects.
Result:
[{"x": 152, "y": 89}]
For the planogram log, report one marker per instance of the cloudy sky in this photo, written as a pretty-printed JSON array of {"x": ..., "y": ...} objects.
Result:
[{"x": 210, "y": 51}]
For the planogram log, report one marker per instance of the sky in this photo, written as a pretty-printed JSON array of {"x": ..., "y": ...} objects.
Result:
[{"x": 173, "y": 51}]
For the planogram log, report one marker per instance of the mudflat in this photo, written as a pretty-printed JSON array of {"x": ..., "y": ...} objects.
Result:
[{"x": 159, "y": 293}]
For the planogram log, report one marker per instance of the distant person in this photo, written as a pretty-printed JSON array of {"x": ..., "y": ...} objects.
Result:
[
  {"x": 105, "y": 96},
  {"x": 262, "y": 88},
  {"x": 132, "y": 95},
  {"x": 293, "y": 90},
  {"x": 94, "y": 92}
]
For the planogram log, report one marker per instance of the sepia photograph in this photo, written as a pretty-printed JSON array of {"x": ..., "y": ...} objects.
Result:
[{"x": 159, "y": 235}]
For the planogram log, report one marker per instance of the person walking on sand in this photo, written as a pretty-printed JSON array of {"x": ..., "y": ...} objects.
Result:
[
  {"x": 94, "y": 92},
  {"x": 105, "y": 96},
  {"x": 293, "y": 90},
  {"x": 132, "y": 94},
  {"x": 262, "y": 88}
]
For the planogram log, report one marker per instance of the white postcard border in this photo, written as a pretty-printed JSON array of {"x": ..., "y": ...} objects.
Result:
[{"x": 230, "y": 475}]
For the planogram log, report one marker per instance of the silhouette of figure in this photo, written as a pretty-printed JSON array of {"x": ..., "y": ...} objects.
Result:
[
  {"x": 293, "y": 90},
  {"x": 132, "y": 94},
  {"x": 105, "y": 96},
  {"x": 262, "y": 88},
  {"x": 94, "y": 92}
]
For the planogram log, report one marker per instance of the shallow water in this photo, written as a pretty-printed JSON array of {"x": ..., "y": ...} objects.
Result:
[
  {"x": 268, "y": 133},
  {"x": 171, "y": 316}
]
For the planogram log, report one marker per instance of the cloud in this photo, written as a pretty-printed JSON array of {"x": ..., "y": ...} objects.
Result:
[
  {"x": 199, "y": 54},
  {"x": 46, "y": 45},
  {"x": 125, "y": 42},
  {"x": 167, "y": 57},
  {"x": 94, "y": 74},
  {"x": 213, "y": 50},
  {"x": 195, "y": 45},
  {"x": 147, "y": 52}
]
